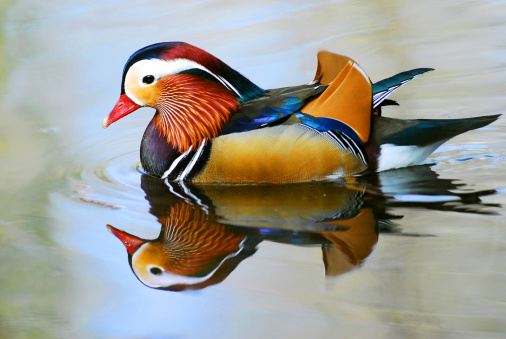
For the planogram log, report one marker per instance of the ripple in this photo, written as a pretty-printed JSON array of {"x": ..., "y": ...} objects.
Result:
[
  {"x": 106, "y": 173},
  {"x": 477, "y": 157},
  {"x": 425, "y": 198}
]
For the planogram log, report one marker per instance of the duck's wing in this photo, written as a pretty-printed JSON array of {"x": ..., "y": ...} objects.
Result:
[
  {"x": 272, "y": 108},
  {"x": 338, "y": 99}
]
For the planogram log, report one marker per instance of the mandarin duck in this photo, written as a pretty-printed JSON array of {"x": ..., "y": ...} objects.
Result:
[{"x": 213, "y": 125}]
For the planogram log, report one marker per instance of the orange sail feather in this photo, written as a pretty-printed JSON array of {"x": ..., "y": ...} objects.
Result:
[{"x": 348, "y": 97}]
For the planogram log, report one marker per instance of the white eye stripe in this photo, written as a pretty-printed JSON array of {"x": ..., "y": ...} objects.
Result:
[
  {"x": 160, "y": 68},
  {"x": 166, "y": 279}
]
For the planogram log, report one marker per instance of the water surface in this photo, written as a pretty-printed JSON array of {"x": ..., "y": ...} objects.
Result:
[{"x": 419, "y": 252}]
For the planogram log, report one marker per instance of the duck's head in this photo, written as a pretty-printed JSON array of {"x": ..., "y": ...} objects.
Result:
[{"x": 193, "y": 92}]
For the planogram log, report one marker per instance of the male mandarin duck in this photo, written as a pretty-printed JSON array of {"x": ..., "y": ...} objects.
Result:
[{"x": 213, "y": 125}]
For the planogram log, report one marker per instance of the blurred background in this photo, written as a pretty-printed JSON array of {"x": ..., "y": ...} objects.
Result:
[{"x": 64, "y": 178}]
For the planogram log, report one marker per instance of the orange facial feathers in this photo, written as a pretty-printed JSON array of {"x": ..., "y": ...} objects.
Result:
[{"x": 192, "y": 110}]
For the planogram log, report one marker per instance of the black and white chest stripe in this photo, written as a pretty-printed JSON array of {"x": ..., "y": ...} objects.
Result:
[{"x": 188, "y": 164}]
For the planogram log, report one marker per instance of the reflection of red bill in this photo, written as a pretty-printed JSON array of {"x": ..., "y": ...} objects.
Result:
[{"x": 131, "y": 242}]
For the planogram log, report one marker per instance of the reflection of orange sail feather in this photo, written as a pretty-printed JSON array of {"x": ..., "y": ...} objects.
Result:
[{"x": 351, "y": 247}]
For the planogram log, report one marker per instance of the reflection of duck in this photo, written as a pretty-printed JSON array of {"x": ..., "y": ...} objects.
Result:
[
  {"x": 214, "y": 125},
  {"x": 206, "y": 231},
  {"x": 191, "y": 252}
]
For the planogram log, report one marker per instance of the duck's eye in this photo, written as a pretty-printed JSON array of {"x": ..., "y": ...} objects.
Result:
[
  {"x": 155, "y": 270},
  {"x": 148, "y": 79}
]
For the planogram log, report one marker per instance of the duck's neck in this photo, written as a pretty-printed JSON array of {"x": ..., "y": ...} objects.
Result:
[
  {"x": 156, "y": 153},
  {"x": 191, "y": 110}
]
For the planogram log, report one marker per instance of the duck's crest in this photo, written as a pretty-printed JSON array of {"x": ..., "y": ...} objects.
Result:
[{"x": 245, "y": 89}]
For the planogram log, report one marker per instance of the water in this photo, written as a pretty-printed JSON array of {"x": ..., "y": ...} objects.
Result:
[{"x": 431, "y": 266}]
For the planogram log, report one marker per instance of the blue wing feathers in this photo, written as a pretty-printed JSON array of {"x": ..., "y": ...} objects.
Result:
[
  {"x": 327, "y": 124},
  {"x": 261, "y": 113},
  {"x": 398, "y": 79},
  {"x": 251, "y": 118},
  {"x": 382, "y": 89}
]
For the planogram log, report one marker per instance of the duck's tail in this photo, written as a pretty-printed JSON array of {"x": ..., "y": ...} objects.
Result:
[
  {"x": 396, "y": 143},
  {"x": 350, "y": 97}
]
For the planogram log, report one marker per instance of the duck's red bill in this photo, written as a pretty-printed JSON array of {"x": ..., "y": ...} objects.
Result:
[
  {"x": 123, "y": 107},
  {"x": 131, "y": 242}
]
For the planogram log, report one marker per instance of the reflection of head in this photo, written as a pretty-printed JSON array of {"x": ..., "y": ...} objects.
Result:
[{"x": 192, "y": 251}]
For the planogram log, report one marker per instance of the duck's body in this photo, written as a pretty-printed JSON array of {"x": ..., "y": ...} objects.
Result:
[{"x": 214, "y": 125}]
